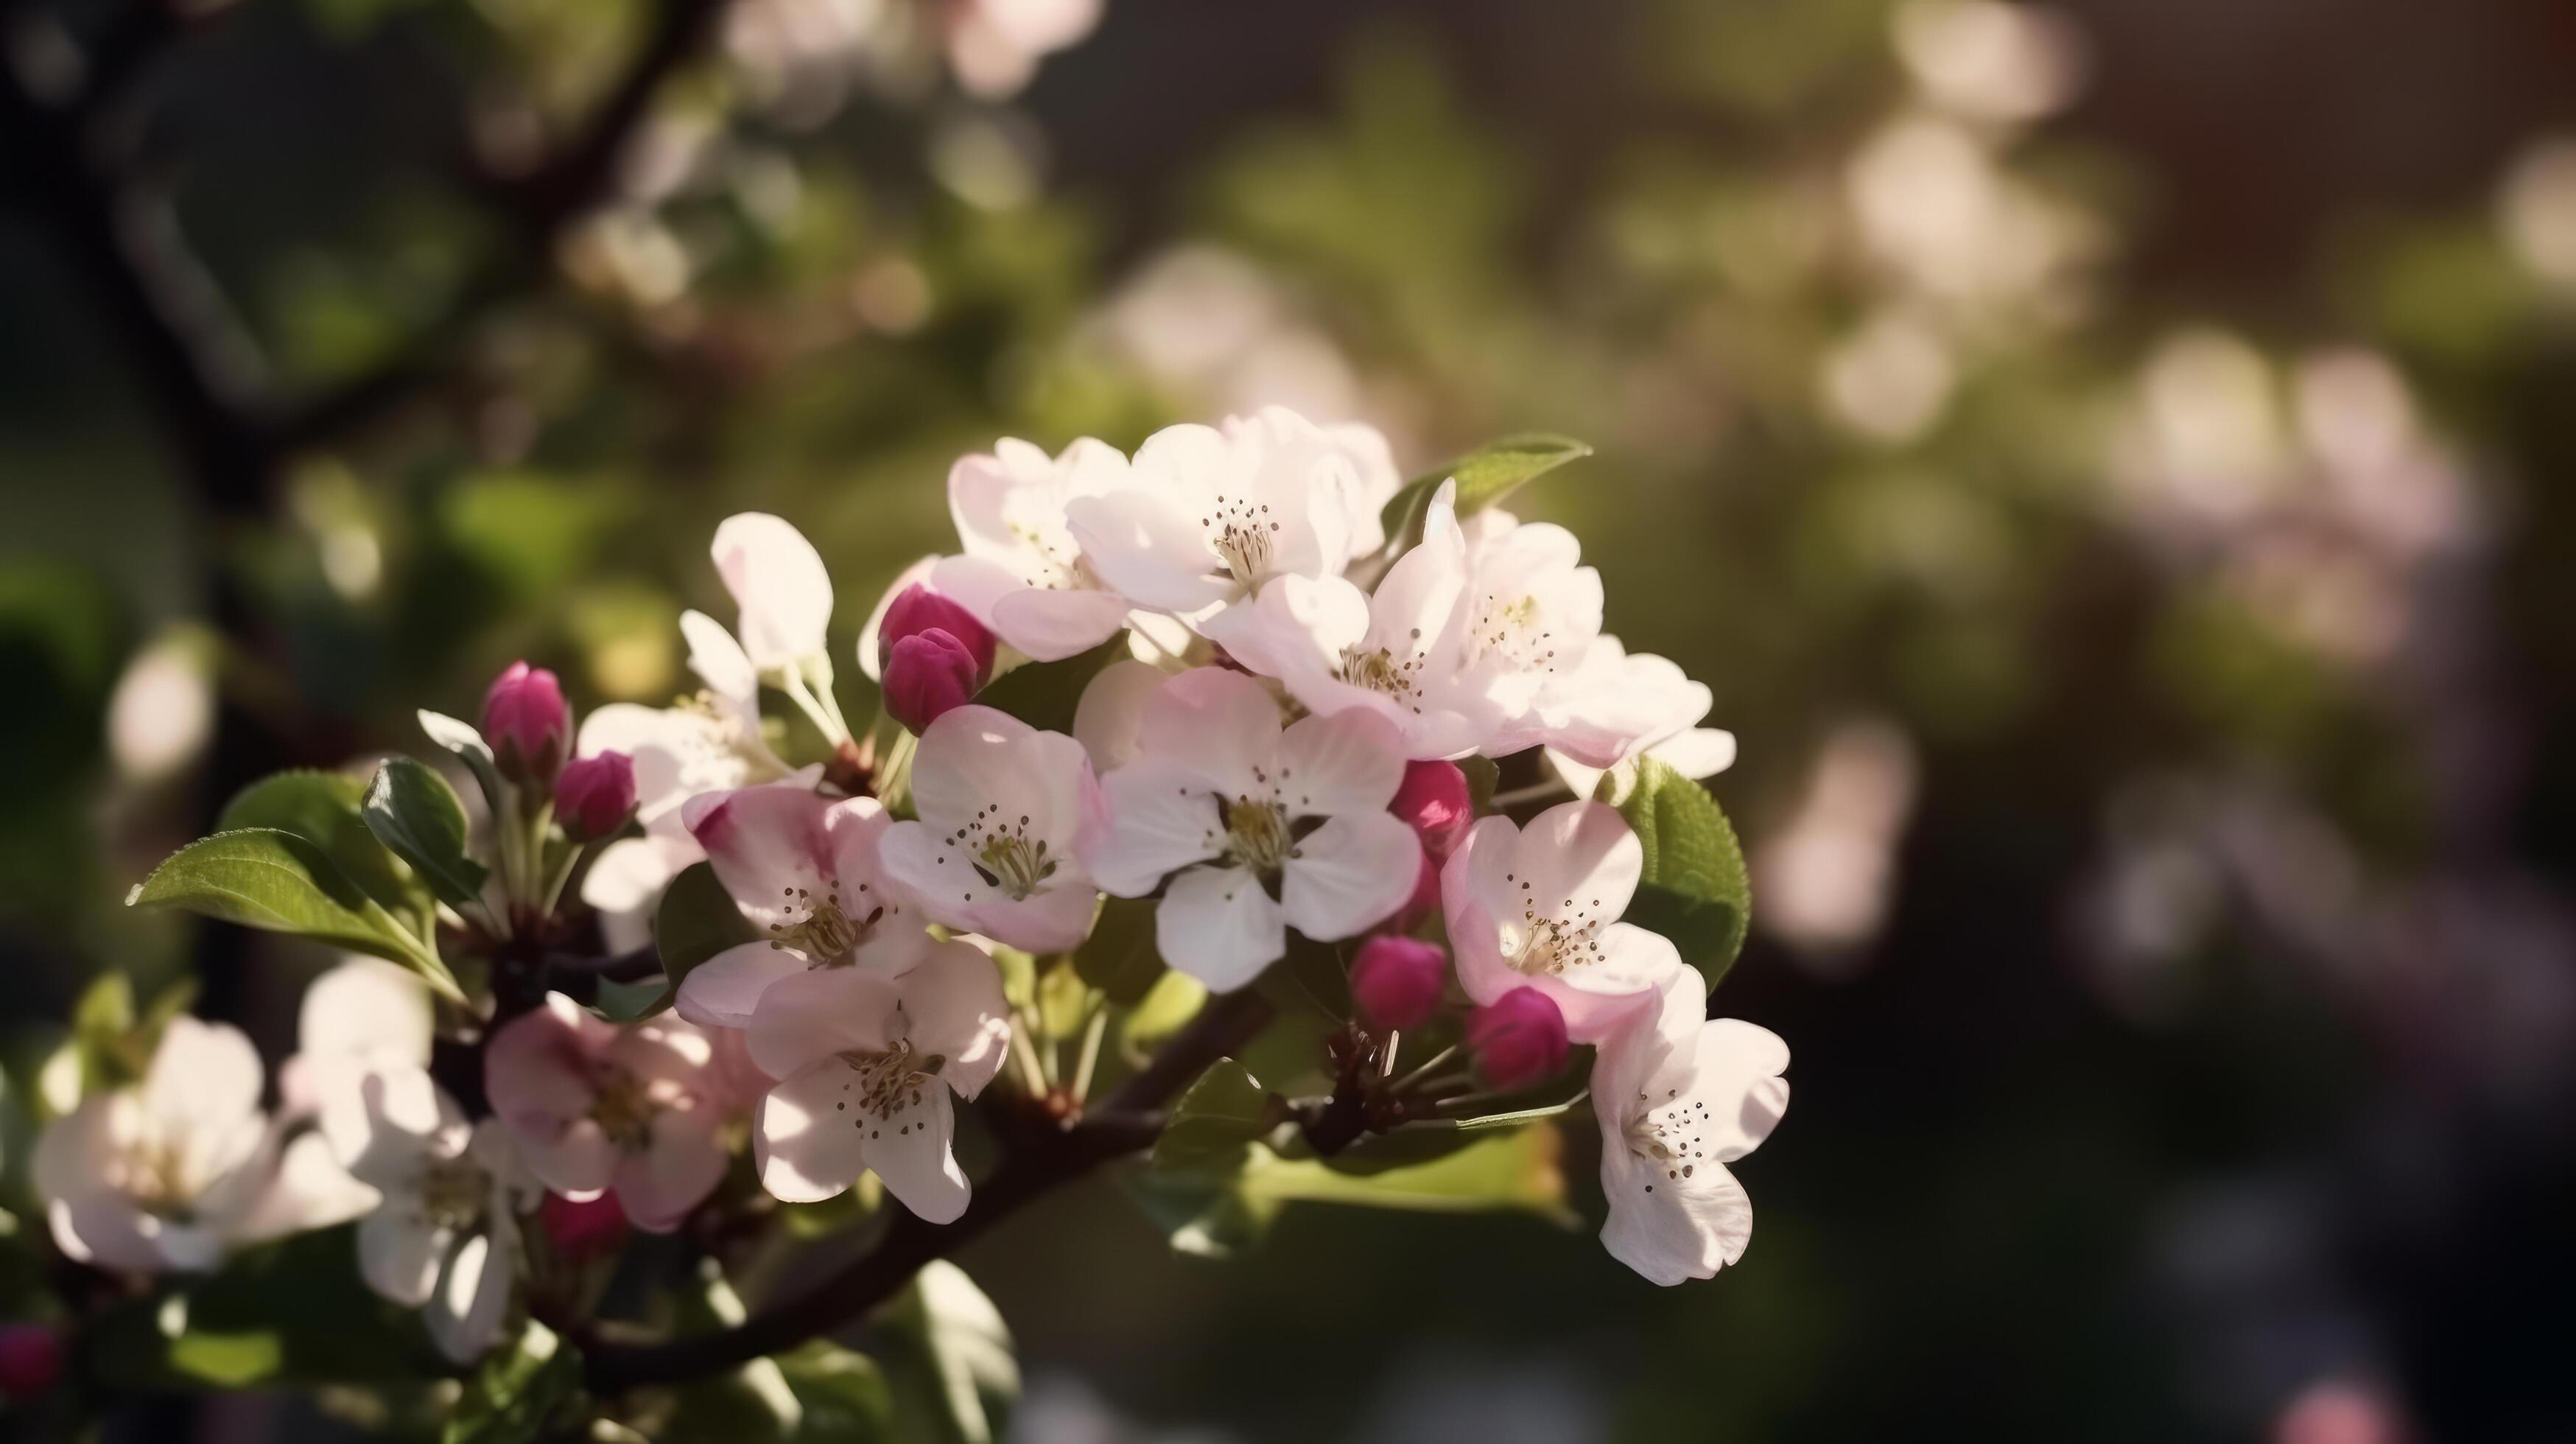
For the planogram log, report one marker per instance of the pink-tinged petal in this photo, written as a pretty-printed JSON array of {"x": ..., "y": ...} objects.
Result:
[
  {"x": 1052, "y": 921},
  {"x": 768, "y": 848},
  {"x": 1576, "y": 857},
  {"x": 980, "y": 488},
  {"x": 1217, "y": 925},
  {"x": 814, "y": 1016},
  {"x": 915, "y": 574},
  {"x": 1626, "y": 969},
  {"x": 1349, "y": 875},
  {"x": 779, "y": 582},
  {"x": 977, "y": 584},
  {"x": 1112, "y": 711},
  {"x": 808, "y": 1137},
  {"x": 725, "y": 990},
  {"x": 537, "y": 1069},
  {"x": 670, "y": 1056},
  {"x": 1476, "y": 884},
  {"x": 976, "y": 764},
  {"x": 910, "y": 1149},
  {"x": 1162, "y": 818},
  {"x": 1221, "y": 725},
  {"x": 576, "y": 1158},
  {"x": 1051, "y": 624},
  {"x": 1149, "y": 551},
  {"x": 1349, "y": 762},
  {"x": 953, "y": 1007},
  {"x": 679, "y": 1165},
  {"x": 1295, "y": 629}
]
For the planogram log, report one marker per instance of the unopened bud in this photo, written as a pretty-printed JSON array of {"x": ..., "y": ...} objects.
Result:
[
  {"x": 595, "y": 795},
  {"x": 917, "y": 609},
  {"x": 526, "y": 723},
  {"x": 1517, "y": 1039},
  {"x": 31, "y": 1362},
  {"x": 1435, "y": 803},
  {"x": 583, "y": 1229},
  {"x": 926, "y": 674},
  {"x": 1396, "y": 982}
]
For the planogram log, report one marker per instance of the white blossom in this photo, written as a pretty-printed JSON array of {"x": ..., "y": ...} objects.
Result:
[
  {"x": 1539, "y": 907},
  {"x": 1003, "y": 811}
]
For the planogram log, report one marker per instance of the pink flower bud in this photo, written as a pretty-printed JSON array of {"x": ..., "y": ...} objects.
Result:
[
  {"x": 1517, "y": 1039},
  {"x": 1434, "y": 802},
  {"x": 918, "y": 609},
  {"x": 31, "y": 1362},
  {"x": 1396, "y": 982},
  {"x": 595, "y": 795},
  {"x": 585, "y": 1229},
  {"x": 525, "y": 720},
  {"x": 926, "y": 674}
]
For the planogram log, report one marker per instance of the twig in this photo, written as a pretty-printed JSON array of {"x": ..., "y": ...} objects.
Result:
[{"x": 1129, "y": 1122}]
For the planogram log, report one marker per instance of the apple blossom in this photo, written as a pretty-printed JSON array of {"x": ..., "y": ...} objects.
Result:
[
  {"x": 1539, "y": 907},
  {"x": 865, "y": 1066},
  {"x": 1112, "y": 707},
  {"x": 1228, "y": 805},
  {"x": 1210, "y": 516},
  {"x": 597, "y": 1107},
  {"x": 1680, "y": 1095},
  {"x": 806, "y": 871},
  {"x": 1023, "y": 571},
  {"x": 525, "y": 720},
  {"x": 1004, "y": 813},
  {"x": 1396, "y": 982},
  {"x": 1394, "y": 652},
  {"x": 778, "y": 582},
  {"x": 174, "y": 1171},
  {"x": 1615, "y": 706},
  {"x": 1517, "y": 1039}
]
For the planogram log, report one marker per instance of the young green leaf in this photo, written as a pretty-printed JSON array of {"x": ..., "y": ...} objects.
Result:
[
  {"x": 697, "y": 919},
  {"x": 1226, "y": 1109},
  {"x": 462, "y": 739},
  {"x": 521, "y": 1393},
  {"x": 845, "y": 1395},
  {"x": 1696, "y": 891},
  {"x": 949, "y": 1354},
  {"x": 264, "y": 878},
  {"x": 1485, "y": 476},
  {"x": 412, "y": 810},
  {"x": 323, "y": 809}
]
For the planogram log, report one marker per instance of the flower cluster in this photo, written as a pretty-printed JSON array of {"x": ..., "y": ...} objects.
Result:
[{"x": 1290, "y": 684}]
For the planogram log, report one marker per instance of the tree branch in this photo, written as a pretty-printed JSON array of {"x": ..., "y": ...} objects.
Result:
[{"x": 1129, "y": 1122}]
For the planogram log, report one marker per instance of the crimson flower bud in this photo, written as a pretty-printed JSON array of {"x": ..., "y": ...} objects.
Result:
[
  {"x": 1396, "y": 982},
  {"x": 1434, "y": 802},
  {"x": 586, "y": 1229},
  {"x": 525, "y": 721},
  {"x": 1425, "y": 900},
  {"x": 595, "y": 795},
  {"x": 926, "y": 674},
  {"x": 1517, "y": 1039},
  {"x": 31, "y": 1362},
  {"x": 918, "y": 609}
]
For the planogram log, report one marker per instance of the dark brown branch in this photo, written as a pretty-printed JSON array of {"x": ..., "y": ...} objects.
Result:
[{"x": 1039, "y": 1162}]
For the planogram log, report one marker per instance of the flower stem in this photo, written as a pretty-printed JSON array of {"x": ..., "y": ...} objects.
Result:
[
  {"x": 1415, "y": 1076},
  {"x": 1090, "y": 1059}
]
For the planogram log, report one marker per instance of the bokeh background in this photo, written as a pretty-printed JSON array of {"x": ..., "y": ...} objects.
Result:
[{"x": 2111, "y": 463}]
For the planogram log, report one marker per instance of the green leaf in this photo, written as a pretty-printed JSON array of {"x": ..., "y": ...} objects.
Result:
[
  {"x": 1119, "y": 957},
  {"x": 1174, "y": 999},
  {"x": 740, "y": 1406},
  {"x": 1484, "y": 476},
  {"x": 1695, "y": 890},
  {"x": 412, "y": 810},
  {"x": 1200, "y": 1217},
  {"x": 845, "y": 1395},
  {"x": 1225, "y": 1110},
  {"x": 102, "y": 1035},
  {"x": 1504, "y": 1169},
  {"x": 323, "y": 809},
  {"x": 263, "y": 878},
  {"x": 697, "y": 920},
  {"x": 949, "y": 1354},
  {"x": 462, "y": 739},
  {"x": 1044, "y": 694},
  {"x": 520, "y": 1394}
]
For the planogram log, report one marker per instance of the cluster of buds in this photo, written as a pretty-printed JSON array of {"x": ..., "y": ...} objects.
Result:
[{"x": 529, "y": 730}]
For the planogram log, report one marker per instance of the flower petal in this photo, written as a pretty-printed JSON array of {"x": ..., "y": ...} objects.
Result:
[
  {"x": 473, "y": 1296},
  {"x": 779, "y": 582},
  {"x": 953, "y": 1007},
  {"x": 768, "y": 847},
  {"x": 1217, "y": 925},
  {"x": 725, "y": 990},
  {"x": 1112, "y": 710},
  {"x": 1161, "y": 818},
  {"x": 679, "y": 1165},
  {"x": 1148, "y": 551},
  {"x": 1349, "y": 875},
  {"x": 812, "y": 1016},
  {"x": 910, "y": 1148},
  {"x": 400, "y": 1249},
  {"x": 808, "y": 1137},
  {"x": 1349, "y": 762}
]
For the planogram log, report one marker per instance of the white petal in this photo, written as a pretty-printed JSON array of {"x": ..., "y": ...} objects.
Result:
[
  {"x": 1349, "y": 762},
  {"x": 1148, "y": 551},
  {"x": 1349, "y": 875},
  {"x": 1221, "y": 725},
  {"x": 910, "y": 1148},
  {"x": 399, "y": 1251},
  {"x": 473, "y": 1296},
  {"x": 809, "y": 1017},
  {"x": 953, "y": 1007},
  {"x": 1606, "y": 985},
  {"x": 366, "y": 1008},
  {"x": 1161, "y": 818},
  {"x": 725, "y": 990},
  {"x": 1217, "y": 925},
  {"x": 1583, "y": 851},
  {"x": 1111, "y": 711},
  {"x": 205, "y": 1077},
  {"x": 387, "y": 1123},
  {"x": 808, "y": 1136},
  {"x": 308, "y": 1190},
  {"x": 625, "y": 883},
  {"x": 1670, "y": 1228},
  {"x": 721, "y": 663},
  {"x": 1052, "y": 623},
  {"x": 779, "y": 582}
]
